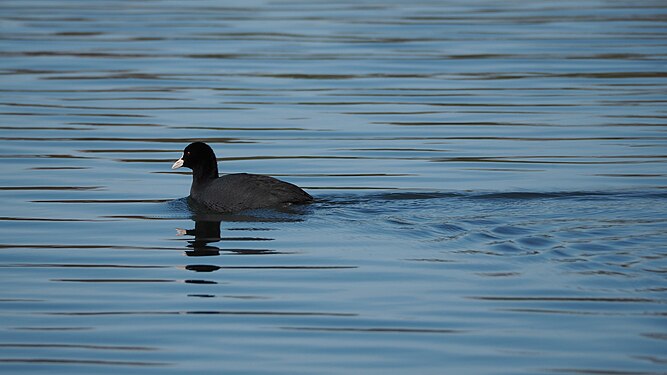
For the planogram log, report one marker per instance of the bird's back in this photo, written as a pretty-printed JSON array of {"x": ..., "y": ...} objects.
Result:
[{"x": 243, "y": 191}]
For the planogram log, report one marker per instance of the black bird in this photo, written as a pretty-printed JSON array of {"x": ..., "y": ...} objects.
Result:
[{"x": 234, "y": 192}]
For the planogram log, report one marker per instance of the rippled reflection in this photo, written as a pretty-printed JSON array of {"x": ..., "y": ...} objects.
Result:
[
  {"x": 204, "y": 232},
  {"x": 205, "y": 238}
]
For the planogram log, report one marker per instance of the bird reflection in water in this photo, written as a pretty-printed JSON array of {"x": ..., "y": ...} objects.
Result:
[{"x": 205, "y": 233}]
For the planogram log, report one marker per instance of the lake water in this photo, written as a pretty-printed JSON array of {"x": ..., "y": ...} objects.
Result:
[{"x": 491, "y": 184}]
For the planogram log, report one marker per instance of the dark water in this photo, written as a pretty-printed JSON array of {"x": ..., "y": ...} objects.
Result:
[{"x": 490, "y": 179}]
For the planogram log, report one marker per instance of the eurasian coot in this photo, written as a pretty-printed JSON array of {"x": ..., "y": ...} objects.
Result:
[{"x": 233, "y": 192}]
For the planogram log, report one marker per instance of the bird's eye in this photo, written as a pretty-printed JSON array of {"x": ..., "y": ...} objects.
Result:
[{"x": 187, "y": 153}]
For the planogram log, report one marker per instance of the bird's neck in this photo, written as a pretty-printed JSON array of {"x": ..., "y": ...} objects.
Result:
[{"x": 205, "y": 173}]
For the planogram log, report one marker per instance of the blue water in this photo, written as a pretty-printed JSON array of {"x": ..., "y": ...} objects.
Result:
[{"x": 490, "y": 181}]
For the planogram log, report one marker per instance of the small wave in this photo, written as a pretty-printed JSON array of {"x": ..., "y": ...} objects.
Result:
[
  {"x": 520, "y": 195},
  {"x": 417, "y": 195},
  {"x": 612, "y": 194},
  {"x": 347, "y": 199}
]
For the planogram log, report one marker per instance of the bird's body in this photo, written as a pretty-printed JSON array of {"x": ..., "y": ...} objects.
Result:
[
  {"x": 244, "y": 191},
  {"x": 234, "y": 192}
]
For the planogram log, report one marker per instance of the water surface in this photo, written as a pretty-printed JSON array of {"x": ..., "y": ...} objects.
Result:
[{"x": 490, "y": 180}]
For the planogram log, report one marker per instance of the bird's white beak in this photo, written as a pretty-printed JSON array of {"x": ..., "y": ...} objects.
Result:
[{"x": 178, "y": 163}]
